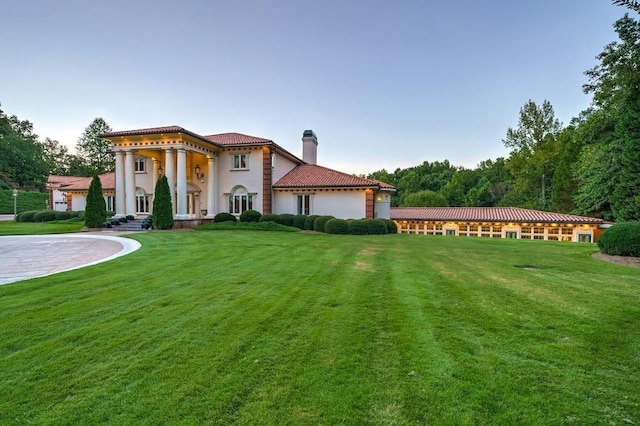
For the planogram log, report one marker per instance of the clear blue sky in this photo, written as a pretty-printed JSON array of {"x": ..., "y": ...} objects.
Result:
[{"x": 384, "y": 84}]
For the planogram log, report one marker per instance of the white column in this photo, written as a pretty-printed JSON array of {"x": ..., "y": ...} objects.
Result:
[
  {"x": 130, "y": 185},
  {"x": 120, "y": 191},
  {"x": 181, "y": 185},
  {"x": 211, "y": 186},
  {"x": 169, "y": 172}
]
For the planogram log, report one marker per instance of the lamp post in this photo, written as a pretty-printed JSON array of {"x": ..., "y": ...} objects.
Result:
[{"x": 15, "y": 203}]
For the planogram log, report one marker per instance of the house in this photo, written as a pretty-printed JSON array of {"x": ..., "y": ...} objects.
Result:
[
  {"x": 497, "y": 222},
  {"x": 233, "y": 172},
  {"x": 69, "y": 193}
]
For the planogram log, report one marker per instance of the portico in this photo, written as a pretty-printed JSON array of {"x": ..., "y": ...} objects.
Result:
[{"x": 188, "y": 162}]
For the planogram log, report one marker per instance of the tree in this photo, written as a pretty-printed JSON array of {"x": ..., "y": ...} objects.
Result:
[
  {"x": 631, "y": 4},
  {"x": 94, "y": 150},
  {"x": 425, "y": 199},
  {"x": 533, "y": 155},
  {"x": 162, "y": 206},
  {"x": 21, "y": 155},
  {"x": 615, "y": 85},
  {"x": 95, "y": 212},
  {"x": 56, "y": 157}
]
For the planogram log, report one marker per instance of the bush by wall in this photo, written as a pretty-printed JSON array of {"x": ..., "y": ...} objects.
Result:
[
  {"x": 250, "y": 216},
  {"x": 27, "y": 216},
  {"x": 320, "y": 222},
  {"x": 285, "y": 219},
  {"x": 270, "y": 217},
  {"x": 26, "y": 200},
  {"x": 376, "y": 227},
  {"x": 299, "y": 220},
  {"x": 358, "y": 227},
  {"x": 622, "y": 239},
  {"x": 308, "y": 222},
  {"x": 392, "y": 228},
  {"x": 336, "y": 226},
  {"x": 224, "y": 217}
]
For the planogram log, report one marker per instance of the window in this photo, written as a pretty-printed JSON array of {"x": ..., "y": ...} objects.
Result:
[
  {"x": 142, "y": 201},
  {"x": 111, "y": 203},
  {"x": 304, "y": 204},
  {"x": 141, "y": 164},
  {"x": 240, "y": 200},
  {"x": 584, "y": 238},
  {"x": 240, "y": 161}
]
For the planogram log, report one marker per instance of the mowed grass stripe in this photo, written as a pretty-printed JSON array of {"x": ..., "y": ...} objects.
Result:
[{"x": 270, "y": 328}]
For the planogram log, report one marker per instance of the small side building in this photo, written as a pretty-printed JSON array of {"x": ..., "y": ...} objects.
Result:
[{"x": 497, "y": 222}]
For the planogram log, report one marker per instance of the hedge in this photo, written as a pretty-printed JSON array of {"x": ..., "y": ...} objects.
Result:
[
  {"x": 224, "y": 217},
  {"x": 376, "y": 227},
  {"x": 392, "y": 228},
  {"x": 622, "y": 239},
  {"x": 250, "y": 216},
  {"x": 299, "y": 221},
  {"x": 358, "y": 227},
  {"x": 285, "y": 219},
  {"x": 308, "y": 222},
  {"x": 27, "y": 200},
  {"x": 320, "y": 222},
  {"x": 270, "y": 217},
  {"x": 336, "y": 226}
]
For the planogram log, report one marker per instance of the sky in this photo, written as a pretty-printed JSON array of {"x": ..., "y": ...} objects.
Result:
[{"x": 383, "y": 84}]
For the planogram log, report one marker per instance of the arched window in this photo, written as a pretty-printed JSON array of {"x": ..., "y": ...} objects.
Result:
[
  {"x": 142, "y": 201},
  {"x": 240, "y": 200}
]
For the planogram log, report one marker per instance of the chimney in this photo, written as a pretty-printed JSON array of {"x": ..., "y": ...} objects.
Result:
[{"x": 309, "y": 147}]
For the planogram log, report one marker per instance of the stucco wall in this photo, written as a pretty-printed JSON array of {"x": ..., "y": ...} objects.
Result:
[
  {"x": 348, "y": 204},
  {"x": 250, "y": 178}
]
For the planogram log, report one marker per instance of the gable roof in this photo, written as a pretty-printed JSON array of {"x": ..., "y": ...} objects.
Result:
[
  {"x": 486, "y": 214},
  {"x": 314, "y": 176},
  {"x": 236, "y": 139},
  {"x": 75, "y": 183}
]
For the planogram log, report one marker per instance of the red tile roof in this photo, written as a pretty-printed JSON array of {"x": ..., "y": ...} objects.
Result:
[
  {"x": 74, "y": 183},
  {"x": 236, "y": 139},
  {"x": 486, "y": 214},
  {"x": 314, "y": 176},
  {"x": 152, "y": 131}
]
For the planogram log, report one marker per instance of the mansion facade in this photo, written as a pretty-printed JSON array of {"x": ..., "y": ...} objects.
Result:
[{"x": 229, "y": 172}]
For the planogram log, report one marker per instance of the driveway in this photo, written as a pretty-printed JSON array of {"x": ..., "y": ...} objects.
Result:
[{"x": 31, "y": 256}]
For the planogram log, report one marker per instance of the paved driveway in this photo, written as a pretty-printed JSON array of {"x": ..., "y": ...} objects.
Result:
[{"x": 24, "y": 257}]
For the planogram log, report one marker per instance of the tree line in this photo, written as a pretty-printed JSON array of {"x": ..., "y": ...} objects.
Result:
[
  {"x": 26, "y": 161},
  {"x": 590, "y": 166}
]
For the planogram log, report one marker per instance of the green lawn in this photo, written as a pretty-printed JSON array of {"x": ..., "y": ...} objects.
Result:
[
  {"x": 29, "y": 228},
  {"x": 293, "y": 328}
]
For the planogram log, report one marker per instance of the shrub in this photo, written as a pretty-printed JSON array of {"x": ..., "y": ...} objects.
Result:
[
  {"x": 286, "y": 219},
  {"x": 250, "y": 216},
  {"x": 308, "y": 222},
  {"x": 27, "y": 216},
  {"x": 622, "y": 239},
  {"x": 96, "y": 209},
  {"x": 392, "y": 228},
  {"x": 64, "y": 215},
  {"x": 269, "y": 225},
  {"x": 46, "y": 216},
  {"x": 299, "y": 220},
  {"x": 320, "y": 223},
  {"x": 224, "y": 217},
  {"x": 336, "y": 226},
  {"x": 375, "y": 226},
  {"x": 270, "y": 217},
  {"x": 162, "y": 205},
  {"x": 358, "y": 227}
]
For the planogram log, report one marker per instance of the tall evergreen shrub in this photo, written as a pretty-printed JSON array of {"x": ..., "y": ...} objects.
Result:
[
  {"x": 96, "y": 208},
  {"x": 162, "y": 207}
]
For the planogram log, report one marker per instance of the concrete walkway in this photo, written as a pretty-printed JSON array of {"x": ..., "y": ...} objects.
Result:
[{"x": 31, "y": 256}]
